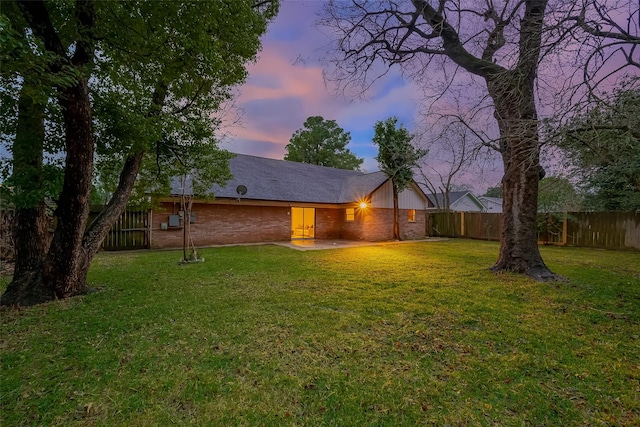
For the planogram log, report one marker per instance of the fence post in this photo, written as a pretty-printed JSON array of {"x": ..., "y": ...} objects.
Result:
[{"x": 462, "y": 224}]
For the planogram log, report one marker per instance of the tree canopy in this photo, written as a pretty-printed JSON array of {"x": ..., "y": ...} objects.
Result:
[
  {"x": 112, "y": 88},
  {"x": 453, "y": 152},
  {"x": 602, "y": 150},
  {"x": 558, "y": 194},
  {"x": 322, "y": 142},
  {"x": 494, "y": 192},
  {"x": 396, "y": 155}
]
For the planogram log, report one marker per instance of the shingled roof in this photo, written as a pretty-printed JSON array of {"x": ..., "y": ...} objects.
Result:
[
  {"x": 285, "y": 181},
  {"x": 440, "y": 200}
]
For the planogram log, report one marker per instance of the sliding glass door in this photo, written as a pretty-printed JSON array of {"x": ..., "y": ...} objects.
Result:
[{"x": 303, "y": 223}]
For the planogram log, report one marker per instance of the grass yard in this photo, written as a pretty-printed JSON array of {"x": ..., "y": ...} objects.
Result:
[{"x": 408, "y": 334}]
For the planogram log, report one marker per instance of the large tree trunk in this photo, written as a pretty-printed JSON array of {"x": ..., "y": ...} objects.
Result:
[
  {"x": 101, "y": 225},
  {"x": 515, "y": 110},
  {"x": 512, "y": 92},
  {"x": 30, "y": 232},
  {"x": 60, "y": 273},
  {"x": 62, "y": 268},
  {"x": 36, "y": 289},
  {"x": 516, "y": 114},
  {"x": 65, "y": 271}
]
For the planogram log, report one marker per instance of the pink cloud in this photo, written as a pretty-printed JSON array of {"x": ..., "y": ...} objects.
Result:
[{"x": 273, "y": 80}]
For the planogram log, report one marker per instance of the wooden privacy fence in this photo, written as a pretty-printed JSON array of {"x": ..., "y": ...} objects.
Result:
[
  {"x": 612, "y": 230},
  {"x": 130, "y": 231},
  {"x": 476, "y": 225},
  {"x": 609, "y": 230}
]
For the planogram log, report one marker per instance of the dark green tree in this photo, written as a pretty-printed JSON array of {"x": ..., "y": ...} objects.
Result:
[
  {"x": 322, "y": 142},
  {"x": 118, "y": 85},
  {"x": 602, "y": 148},
  {"x": 494, "y": 192},
  {"x": 558, "y": 194},
  {"x": 397, "y": 158}
]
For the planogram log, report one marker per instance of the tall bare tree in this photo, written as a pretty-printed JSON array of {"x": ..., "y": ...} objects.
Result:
[
  {"x": 500, "y": 45},
  {"x": 600, "y": 44},
  {"x": 605, "y": 37},
  {"x": 454, "y": 150}
]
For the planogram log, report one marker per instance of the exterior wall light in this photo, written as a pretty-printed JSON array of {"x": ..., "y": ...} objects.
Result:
[{"x": 363, "y": 205}]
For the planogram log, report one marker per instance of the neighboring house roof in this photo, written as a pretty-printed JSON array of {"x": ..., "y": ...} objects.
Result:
[
  {"x": 490, "y": 199},
  {"x": 286, "y": 181},
  {"x": 456, "y": 200},
  {"x": 439, "y": 198},
  {"x": 493, "y": 204}
]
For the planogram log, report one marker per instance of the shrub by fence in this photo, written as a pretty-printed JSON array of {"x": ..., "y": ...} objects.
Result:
[{"x": 609, "y": 230}]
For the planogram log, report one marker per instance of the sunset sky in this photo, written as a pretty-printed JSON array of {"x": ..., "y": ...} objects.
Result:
[{"x": 286, "y": 86}]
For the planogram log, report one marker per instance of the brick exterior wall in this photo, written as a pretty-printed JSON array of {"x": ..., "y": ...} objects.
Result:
[
  {"x": 375, "y": 224},
  {"x": 223, "y": 224},
  {"x": 413, "y": 230},
  {"x": 217, "y": 224},
  {"x": 329, "y": 223}
]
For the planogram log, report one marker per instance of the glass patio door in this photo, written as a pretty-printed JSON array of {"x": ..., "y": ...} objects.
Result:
[{"x": 303, "y": 223}]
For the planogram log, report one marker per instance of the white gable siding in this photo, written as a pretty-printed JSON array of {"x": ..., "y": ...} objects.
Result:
[
  {"x": 410, "y": 198},
  {"x": 465, "y": 204},
  {"x": 493, "y": 204},
  {"x": 383, "y": 196}
]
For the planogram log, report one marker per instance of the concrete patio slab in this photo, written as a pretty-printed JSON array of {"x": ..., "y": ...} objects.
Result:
[{"x": 313, "y": 245}]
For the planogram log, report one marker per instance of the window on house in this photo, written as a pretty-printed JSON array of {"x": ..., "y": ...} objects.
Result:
[
  {"x": 350, "y": 214},
  {"x": 412, "y": 215}
]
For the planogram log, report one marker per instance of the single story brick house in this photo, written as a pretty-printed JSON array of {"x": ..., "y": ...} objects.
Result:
[{"x": 270, "y": 200}]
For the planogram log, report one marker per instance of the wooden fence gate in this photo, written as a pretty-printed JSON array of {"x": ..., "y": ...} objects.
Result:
[{"x": 130, "y": 231}]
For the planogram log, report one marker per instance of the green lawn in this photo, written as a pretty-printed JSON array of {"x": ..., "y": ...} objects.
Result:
[{"x": 404, "y": 334}]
